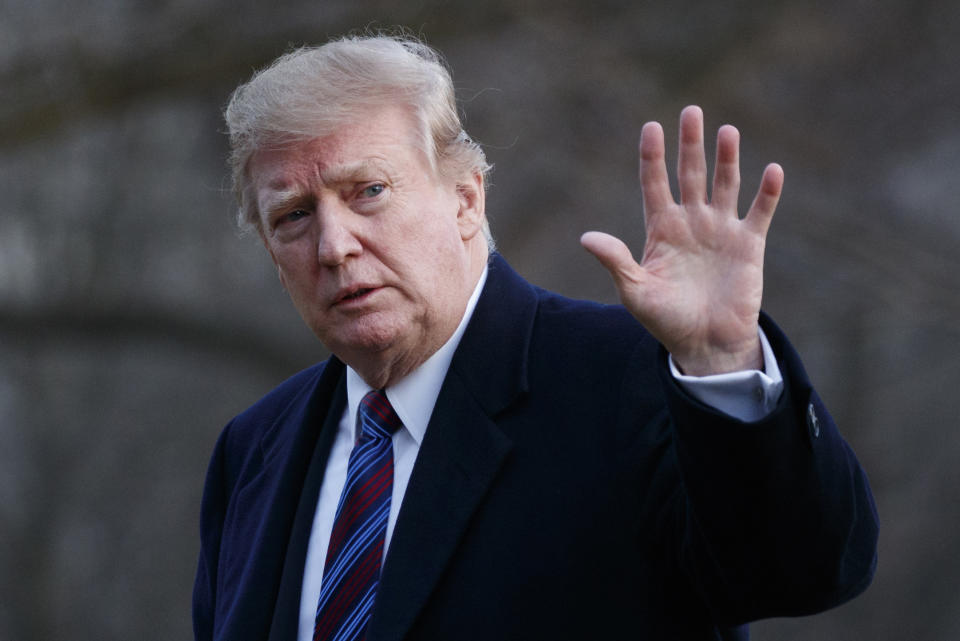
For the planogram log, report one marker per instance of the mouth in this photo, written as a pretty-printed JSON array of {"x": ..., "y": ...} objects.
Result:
[
  {"x": 357, "y": 294},
  {"x": 353, "y": 294}
]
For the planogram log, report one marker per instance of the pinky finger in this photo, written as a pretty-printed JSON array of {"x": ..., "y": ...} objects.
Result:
[{"x": 765, "y": 202}]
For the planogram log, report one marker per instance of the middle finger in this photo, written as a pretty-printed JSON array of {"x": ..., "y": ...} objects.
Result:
[{"x": 691, "y": 161}]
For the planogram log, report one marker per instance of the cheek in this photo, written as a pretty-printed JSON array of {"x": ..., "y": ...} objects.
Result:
[
  {"x": 296, "y": 273},
  {"x": 425, "y": 251},
  {"x": 436, "y": 261},
  {"x": 294, "y": 259}
]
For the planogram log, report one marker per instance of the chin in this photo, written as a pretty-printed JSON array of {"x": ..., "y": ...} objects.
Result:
[{"x": 362, "y": 338}]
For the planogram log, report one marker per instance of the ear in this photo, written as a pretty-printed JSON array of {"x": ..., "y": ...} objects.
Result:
[
  {"x": 263, "y": 237},
  {"x": 472, "y": 199}
]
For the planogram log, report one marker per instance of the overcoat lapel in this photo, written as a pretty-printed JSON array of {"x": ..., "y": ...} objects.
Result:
[
  {"x": 286, "y": 450},
  {"x": 462, "y": 452},
  {"x": 286, "y": 616}
]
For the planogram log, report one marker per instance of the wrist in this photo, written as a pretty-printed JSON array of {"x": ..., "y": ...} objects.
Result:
[{"x": 720, "y": 361}]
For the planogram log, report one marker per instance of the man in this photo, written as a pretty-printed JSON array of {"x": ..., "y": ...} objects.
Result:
[{"x": 482, "y": 459}]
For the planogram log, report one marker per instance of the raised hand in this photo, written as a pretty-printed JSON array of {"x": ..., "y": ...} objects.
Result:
[{"x": 699, "y": 284}]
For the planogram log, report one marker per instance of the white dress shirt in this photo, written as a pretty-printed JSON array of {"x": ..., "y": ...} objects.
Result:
[{"x": 747, "y": 395}]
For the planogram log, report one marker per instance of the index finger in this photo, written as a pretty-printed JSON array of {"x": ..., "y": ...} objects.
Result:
[{"x": 654, "y": 181}]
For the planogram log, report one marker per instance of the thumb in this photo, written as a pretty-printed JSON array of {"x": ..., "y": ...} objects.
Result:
[{"x": 613, "y": 254}]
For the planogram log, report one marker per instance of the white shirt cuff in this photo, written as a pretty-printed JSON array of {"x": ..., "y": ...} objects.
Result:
[{"x": 748, "y": 395}]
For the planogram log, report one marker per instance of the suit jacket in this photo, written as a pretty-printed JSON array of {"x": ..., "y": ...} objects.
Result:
[{"x": 566, "y": 488}]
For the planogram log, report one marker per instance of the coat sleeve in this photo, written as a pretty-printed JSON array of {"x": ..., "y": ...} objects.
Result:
[{"x": 776, "y": 517}]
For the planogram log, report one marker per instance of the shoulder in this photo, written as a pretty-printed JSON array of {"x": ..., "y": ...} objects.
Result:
[
  {"x": 552, "y": 317},
  {"x": 600, "y": 330},
  {"x": 242, "y": 437},
  {"x": 283, "y": 395},
  {"x": 552, "y": 334},
  {"x": 597, "y": 354}
]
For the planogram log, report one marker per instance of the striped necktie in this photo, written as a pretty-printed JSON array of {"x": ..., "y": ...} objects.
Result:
[{"x": 351, "y": 571}]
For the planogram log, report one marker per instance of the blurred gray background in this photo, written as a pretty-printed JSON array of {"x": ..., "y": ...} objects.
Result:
[{"x": 135, "y": 321}]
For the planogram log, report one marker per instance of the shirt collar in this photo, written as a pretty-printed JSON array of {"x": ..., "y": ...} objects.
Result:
[{"x": 414, "y": 396}]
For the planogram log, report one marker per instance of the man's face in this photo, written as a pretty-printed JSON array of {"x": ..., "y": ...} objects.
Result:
[{"x": 378, "y": 253}]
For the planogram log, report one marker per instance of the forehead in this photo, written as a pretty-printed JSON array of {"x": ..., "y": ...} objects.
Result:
[{"x": 385, "y": 139}]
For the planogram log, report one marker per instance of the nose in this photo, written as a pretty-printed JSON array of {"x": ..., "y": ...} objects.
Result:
[{"x": 338, "y": 237}]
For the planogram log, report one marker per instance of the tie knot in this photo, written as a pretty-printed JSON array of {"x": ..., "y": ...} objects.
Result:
[{"x": 375, "y": 416}]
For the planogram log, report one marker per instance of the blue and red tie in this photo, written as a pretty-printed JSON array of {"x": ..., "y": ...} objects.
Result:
[{"x": 351, "y": 571}]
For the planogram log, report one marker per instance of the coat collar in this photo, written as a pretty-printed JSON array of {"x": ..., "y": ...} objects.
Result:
[
  {"x": 463, "y": 450},
  {"x": 492, "y": 356}
]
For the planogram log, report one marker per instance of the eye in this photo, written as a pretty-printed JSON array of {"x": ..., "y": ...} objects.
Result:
[
  {"x": 295, "y": 215},
  {"x": 290, "y": 217},
  {"x": 372, "y": 191}
]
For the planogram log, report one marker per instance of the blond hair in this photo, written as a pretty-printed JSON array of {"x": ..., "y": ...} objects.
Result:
[{"x": 309, "y": 92}]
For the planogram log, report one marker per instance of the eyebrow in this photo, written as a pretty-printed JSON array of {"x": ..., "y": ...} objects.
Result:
[
  {"x": 280, "y": 197},
  {"x": 284, "y": 196},
  {"x": 352, "y": 171}
]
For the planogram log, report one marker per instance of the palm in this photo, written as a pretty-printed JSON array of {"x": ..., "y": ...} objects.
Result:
[{"x": 699, "y": 284}]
